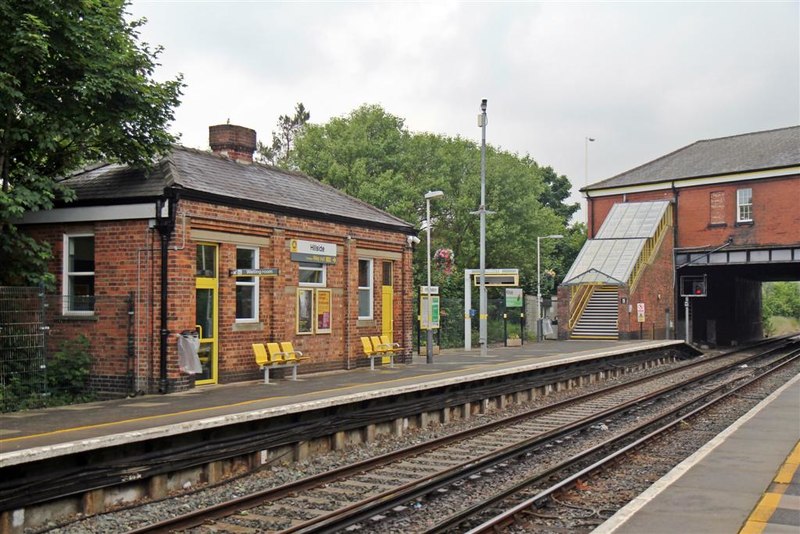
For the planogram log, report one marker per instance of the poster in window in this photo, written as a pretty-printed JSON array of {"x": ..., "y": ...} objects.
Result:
[
  {"x": 323, "y": 311},
  {"x": 305, "y": 311}
]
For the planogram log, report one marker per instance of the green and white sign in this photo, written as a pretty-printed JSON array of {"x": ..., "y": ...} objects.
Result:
[
  {"x": 513, "y": 297},
  {"x": 434, "y": 310}
]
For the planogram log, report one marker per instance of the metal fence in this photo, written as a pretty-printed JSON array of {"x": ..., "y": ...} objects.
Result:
[
  {"x": 50, "y": 357},
  {"x": 23, "y": 366}
]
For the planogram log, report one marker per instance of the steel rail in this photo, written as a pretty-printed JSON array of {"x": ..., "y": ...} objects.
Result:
[
  {"x": 664, "y": 423},
  {"x": 358, "y": 511}
]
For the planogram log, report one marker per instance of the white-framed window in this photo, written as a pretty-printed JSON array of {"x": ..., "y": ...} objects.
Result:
[
  {"x": 744, "y": 205},
  {"x": 78, "y": 282},
  {"x": 312, "y": 274},
  {"x": 365, "y": 289},
  {"x": 246, "y": 286}
]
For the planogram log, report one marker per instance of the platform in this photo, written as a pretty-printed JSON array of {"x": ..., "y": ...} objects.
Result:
[
  {"x": 36, "y": 434},
  {"x": 745, "y": 480}
]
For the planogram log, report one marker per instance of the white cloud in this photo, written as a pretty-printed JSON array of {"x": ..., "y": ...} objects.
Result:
[{"x": 643, "y": 78}]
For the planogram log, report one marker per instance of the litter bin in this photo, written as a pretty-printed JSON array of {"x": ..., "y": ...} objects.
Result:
[{"x": 188, "y": 345}]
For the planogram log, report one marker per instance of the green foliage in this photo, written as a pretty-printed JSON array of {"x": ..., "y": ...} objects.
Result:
[
  {"x": 25, "y": 385},
  {"x": 75, "y": 87},
  {"x": 781, "y": 299},
  {"x": 371, "y": 155},
  {"x": 69, "y": 369},
  {"x": 279, "y": 152}
]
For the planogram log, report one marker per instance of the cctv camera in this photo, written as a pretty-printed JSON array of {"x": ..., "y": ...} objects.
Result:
[{"x": 412, "y": 240}]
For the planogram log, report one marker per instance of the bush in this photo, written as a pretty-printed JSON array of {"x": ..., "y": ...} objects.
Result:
[{"x": 69, "y": 371}]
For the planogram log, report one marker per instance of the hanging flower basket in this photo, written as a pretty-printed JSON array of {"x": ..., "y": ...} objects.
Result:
[{"x": 444, "y": 259}]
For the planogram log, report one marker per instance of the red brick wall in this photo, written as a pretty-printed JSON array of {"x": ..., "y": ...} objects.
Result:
[
  {"x": 654, "y": 290},
  {"x": 776, "y": 219},
  {"x": 127, "y": 259}
]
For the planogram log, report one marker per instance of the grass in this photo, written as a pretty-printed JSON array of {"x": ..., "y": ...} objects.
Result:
[{"x": 784, "y": 325}]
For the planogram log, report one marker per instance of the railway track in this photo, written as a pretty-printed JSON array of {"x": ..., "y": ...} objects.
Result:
[
  {"x": 361, "y": 492},
  {"x": 510, "y": 505}
]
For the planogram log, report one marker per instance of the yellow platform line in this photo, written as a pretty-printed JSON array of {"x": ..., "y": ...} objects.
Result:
[{"x": 770, "y": 501}]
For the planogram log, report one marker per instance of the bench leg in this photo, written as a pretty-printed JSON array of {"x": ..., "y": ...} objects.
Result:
[
  {"x": 294, "y": 372},
  {"x": 266, "y": 375},
  {"x": 372, "y": 363},
  {"x": 391, "y": 360}
]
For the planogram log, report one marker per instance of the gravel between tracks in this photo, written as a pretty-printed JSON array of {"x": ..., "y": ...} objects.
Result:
[{"x": 607, "y": 493}]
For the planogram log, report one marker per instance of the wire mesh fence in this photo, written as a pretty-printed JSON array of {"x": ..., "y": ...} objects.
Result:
[
  {"x": 50, "y": 355},
  {"x": 23, "y": 367}
]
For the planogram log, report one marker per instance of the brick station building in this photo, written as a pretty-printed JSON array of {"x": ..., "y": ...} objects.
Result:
[
  {"x": 237, "y": 251},
  {"x": 712, "y": 220}
]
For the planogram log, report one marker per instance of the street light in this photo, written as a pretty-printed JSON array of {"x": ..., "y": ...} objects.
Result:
[
  {"x": 428, "y": 196},
  {"x": 482, "y": 313},
  {"x": 586, "y": 142},
  {"x": 539, "y": 282}
]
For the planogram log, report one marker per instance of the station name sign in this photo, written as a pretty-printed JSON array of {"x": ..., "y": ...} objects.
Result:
[
  {"x": 272, "y": 271},
  {"x": 312, "y": 251},
  {"x": 498, "y": 277}
]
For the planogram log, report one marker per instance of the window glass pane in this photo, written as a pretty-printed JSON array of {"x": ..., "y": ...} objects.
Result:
[
  {"x": 364, "y": 303},
  {"x": 387, "y": 273},
  {"x": 363, "y": 273},
  {"x": 204, "y": 315},
  {"x": 81, "y": 293},
  {"x": 81, "y": 254},
  {"x": 206, "y": 261},
  {"x": 311, "y": 276},
  {"x": 245, "y": 308}
]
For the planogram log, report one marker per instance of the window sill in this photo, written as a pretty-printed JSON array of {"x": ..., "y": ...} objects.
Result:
[
  {"x": 70, "y": 318},
  {"x": 718, "y": 225},
  {"x": 362, "y": 323},
  {"x": 247, "y": 327},
  {"x": 745, "y": 223}
]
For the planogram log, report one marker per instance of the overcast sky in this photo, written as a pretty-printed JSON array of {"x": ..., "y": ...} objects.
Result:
[{"x": 642, "y": 78}]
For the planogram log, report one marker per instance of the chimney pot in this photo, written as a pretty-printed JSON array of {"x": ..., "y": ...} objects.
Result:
[{"x": 235, "y": 142}]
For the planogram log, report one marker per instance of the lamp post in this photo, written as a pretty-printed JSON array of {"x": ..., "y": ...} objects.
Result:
[
  {"x": 482, "y": 313},
  {"x": 428, "y": 196},
  {"x": 539, "y": 282},
  {"x": 586, "y": 142}
]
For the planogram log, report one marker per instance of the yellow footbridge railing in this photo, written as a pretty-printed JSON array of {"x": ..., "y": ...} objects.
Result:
[{"x": 580, "y": 294}]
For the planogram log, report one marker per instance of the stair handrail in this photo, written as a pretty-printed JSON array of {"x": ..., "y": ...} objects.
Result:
[
  {"x": 580, "y": 299},
  {"x": 649, "y": 250}
]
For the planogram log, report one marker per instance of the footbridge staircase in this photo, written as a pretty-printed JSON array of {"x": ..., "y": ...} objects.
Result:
[{"x": 626, "y": 243}]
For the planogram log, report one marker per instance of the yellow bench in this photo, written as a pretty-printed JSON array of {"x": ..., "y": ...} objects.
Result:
[
  {"x": 374, "y": 347},
  {"x": 276, "y": 355}
]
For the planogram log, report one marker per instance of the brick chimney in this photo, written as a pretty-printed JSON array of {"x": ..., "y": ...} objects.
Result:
[{"x": 235, "y": 142}]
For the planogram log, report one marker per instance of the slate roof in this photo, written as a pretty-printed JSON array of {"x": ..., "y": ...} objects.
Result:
[
  {"x": 255, "y": 186},
  {"x": 771, "y": 149},
  {"x": 610, "y": 257}
]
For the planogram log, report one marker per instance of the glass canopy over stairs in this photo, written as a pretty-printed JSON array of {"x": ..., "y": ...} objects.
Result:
[{"x": 626, "y": 243}]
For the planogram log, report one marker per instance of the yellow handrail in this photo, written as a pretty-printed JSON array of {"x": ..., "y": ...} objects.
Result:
[
  {"x": 649, "y": 250},
  {"x": 583, "y": 294}
]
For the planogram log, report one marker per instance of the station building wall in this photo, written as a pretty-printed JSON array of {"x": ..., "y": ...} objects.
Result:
[
  {"x": 706, "y": 214},
  {"x": 127, "y": 266}
]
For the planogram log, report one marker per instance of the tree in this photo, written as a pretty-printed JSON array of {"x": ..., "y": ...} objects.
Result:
[
  {"x": 75, "y": 87},
  {"x": 279, "y": 152},
  {"x": 371, "y": 155},
  {"x": 556, "y": 192},
  {"x": 781, "y": 299}
]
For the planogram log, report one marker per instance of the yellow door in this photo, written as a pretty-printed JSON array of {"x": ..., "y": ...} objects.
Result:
[
  {"x": 387, "y": 304},
  {"x": 206, "y": 299}
]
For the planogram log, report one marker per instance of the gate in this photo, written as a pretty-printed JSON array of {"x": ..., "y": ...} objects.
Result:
[{"x": 23, "y": 340}]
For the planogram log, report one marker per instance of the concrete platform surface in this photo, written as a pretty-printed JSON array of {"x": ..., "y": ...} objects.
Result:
[
  {"x": 37, "y": 433},
  {"x": 726, "y": 485}
]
